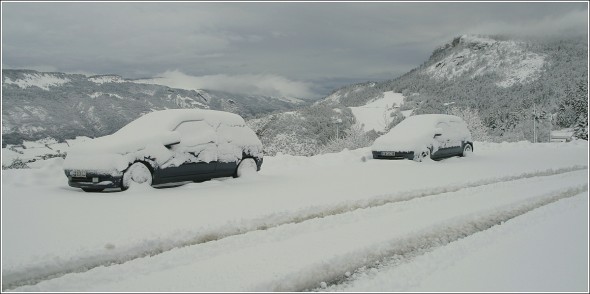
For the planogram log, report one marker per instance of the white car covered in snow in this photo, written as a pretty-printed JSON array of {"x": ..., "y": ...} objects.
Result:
[
  {"x": 164, "y": 147},
  {"x": 416, "y": 137}
]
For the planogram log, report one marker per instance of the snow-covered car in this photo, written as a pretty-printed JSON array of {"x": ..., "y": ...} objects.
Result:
[
  {"x": 166, "y": 147},
  {"x": 416, "y": 137}
]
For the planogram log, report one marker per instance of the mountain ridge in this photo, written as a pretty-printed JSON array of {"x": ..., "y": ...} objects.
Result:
[
  {"x": 518, "y": 89},
  {"x": 502, "y": 78}
]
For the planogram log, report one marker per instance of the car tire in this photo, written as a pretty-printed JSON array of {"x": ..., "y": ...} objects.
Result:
[
  {"x": 246, "y": 167},
  {"x": 138, "y": 173},
  {"x": 467, "y": 150},
  {"x": 92, "y": 189},
  {"x": 421, "y": 156}
]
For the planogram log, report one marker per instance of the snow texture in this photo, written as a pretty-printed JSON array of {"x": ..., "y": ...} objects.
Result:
[
  {"x": 40, "y": 80},
  {"x": 106, "y": 79},
  {"x": 376, "y": 114},
  {"x": 481, "y": 56},
  {"x": 512, "y": 217}
]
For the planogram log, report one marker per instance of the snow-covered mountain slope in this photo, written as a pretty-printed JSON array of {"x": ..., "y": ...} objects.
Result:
[
  {"x": 100, "y": 79},
  {"x": 376, "y": 115},
  {"x": 474, "y": 56},
  {"x": 36, "y": 105},
  {"x": 348, "y": 93},
  {"x": 39, "y": 80},
  {"x": 270, "y": 232},
  {"x": 501, "y": 78}
]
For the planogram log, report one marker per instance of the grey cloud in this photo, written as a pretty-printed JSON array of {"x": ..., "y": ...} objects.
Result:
[
  {"x": 297, "y": 41},
  {"x": 267, "y": 85}
]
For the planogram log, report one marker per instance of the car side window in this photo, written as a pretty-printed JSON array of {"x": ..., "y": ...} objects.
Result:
[
  {"x": 195, "y": 132},
  {"x": 461, "y": 128}
]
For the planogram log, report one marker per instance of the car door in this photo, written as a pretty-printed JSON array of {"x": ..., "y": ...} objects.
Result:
[
  {"x": 229, "y": 152},
  {"x": 195, "y": 157},
  {"x": 442, "y": 140},
  {"x": 456, "y": 135}
]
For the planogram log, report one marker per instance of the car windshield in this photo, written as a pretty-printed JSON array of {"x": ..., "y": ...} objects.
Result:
[
  {"x": 414, "y": 125},
  {"x": 146, "y": 124},
  {"x": 166, "y": 120}
]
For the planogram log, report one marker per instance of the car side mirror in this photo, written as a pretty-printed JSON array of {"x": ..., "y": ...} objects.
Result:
[
  {"x": 437, "y": 132},
  {"x": 170, "y": 139},
  {"x": 171, "y": 144}
]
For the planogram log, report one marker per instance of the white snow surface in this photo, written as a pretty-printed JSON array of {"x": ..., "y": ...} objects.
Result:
[
  {"x": 375, "y": 115},
  {"x": 98, "y": 94},
  {"x": 41, "y": 80},
  {"x": 512, "y": 217},
  {"x": 106, "y": 79}
]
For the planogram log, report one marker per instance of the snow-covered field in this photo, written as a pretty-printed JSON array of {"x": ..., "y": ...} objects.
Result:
[
  {"x": 375, "y": 115},
  {"x": 512, "y": 217}
]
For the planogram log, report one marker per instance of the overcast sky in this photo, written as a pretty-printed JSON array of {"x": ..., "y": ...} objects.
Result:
[{"x": 293, "y": 49}]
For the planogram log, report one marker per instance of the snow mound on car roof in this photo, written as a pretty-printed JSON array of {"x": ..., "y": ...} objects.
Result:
[
  {"x": 167, "y": 120},
  {"x": 155, "y": 127}
]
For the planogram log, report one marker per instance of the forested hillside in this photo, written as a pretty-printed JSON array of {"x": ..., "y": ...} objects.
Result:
[
  {"x": 510, "y": 86},
  {"x": 36, "y": 105}
]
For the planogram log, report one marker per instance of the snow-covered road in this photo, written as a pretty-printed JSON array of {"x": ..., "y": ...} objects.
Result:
[{"x": 336, "y": 220}]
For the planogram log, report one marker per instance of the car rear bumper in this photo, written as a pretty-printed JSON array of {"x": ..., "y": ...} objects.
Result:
[{"x": 395, "y": 155}]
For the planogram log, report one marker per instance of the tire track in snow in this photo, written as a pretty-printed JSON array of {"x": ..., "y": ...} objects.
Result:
[
  {"x": 405, "y": 250},
  {"x": 35, "y": 274}
]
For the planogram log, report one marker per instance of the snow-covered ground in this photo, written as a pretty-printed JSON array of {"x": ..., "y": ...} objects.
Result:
[
  {"x": 376, "y": 115},
  {"x": 32, "y": 153},
  {"x": 512, "y": 217}
]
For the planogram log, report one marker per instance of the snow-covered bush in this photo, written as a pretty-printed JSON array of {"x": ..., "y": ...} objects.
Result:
[
  {"x": 16, "y": 164},
  {"x": 478, "y": 130},
  {"x": 291, "y": 144},
  {"x": 354, "y": 138},
  {"x": 581, "y": 127},
  {"x": 395, "y": 118}
]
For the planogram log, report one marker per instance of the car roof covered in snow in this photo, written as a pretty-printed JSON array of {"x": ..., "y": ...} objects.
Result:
[
  {"x": 158, "y": 128},
  {"x": 430, "y": 119},
  {"x": 167, "y": 120}
]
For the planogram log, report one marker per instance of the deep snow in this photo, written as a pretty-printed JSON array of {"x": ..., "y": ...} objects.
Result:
[
  {"x": 376, "y": 114},
  {"x": 303, "y": 222}
]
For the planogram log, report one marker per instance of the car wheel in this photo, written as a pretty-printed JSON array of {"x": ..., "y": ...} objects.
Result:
[
  {"x": 136, "y": 173},
  {"x": 467, "y": 150},
  {"x": 92, "y": 189},
  {"x": 246, "y": 167},
  {"x": 422, "y": 155}
]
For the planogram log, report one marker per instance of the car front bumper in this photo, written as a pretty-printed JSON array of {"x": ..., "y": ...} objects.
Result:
[
  {"x": 393, "y": 155},
  {"x": 94, "y": 181}
]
